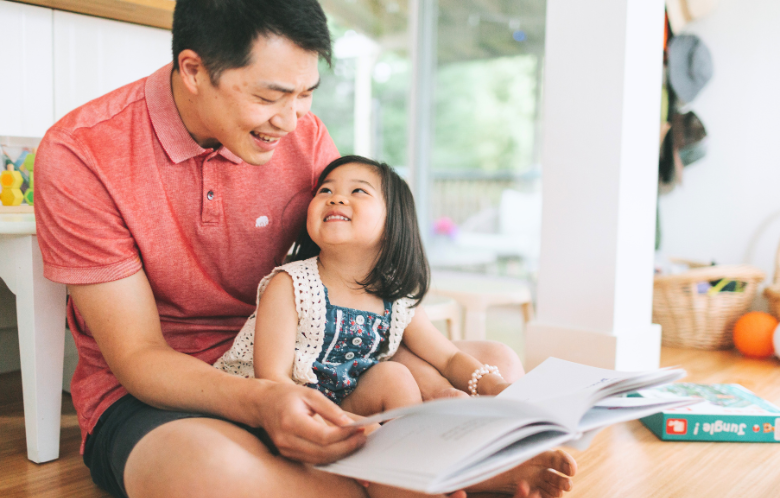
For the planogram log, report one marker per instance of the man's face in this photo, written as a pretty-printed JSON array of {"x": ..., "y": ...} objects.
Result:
[{"x": 252, "y": 108}]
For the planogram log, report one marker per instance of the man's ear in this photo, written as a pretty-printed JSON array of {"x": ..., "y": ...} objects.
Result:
[{"x": 192, "y": 71}]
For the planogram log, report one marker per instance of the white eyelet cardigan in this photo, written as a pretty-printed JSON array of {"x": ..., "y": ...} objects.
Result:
[{"x": 310, "y": 305}]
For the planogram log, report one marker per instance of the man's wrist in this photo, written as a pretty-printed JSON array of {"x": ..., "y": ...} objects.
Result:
[{"x": 245, "y": 399}]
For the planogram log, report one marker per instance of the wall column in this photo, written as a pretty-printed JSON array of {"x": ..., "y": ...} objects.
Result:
[{"x": 602, "y": 98}]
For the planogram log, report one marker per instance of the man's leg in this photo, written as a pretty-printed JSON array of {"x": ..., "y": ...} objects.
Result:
[
  {"x": 200, "y": 457},
  {"x": 207, "y": 457}
]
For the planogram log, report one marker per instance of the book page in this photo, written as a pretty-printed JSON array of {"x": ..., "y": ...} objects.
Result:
[
  {"x": 598, "y": 417},
  {"x": 421, "y": 446},
  {"x": 500, "y": 462},
  {"x": 482, "y": 406},
  {"x": 556, "y": 377}
]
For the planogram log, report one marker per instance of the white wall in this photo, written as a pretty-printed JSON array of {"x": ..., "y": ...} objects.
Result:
[
  {"x": 728, "y": 208},
  {"x": 81, "y": 58}
]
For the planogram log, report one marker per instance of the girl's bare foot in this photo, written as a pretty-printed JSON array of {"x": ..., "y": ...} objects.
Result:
[{"x": 546, "y": 475}]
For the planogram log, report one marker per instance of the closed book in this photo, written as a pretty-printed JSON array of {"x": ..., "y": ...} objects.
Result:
[{"x": 727, "y": 412}]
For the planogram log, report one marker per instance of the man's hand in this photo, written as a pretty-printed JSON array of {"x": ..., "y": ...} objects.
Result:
[{"x": 289, "y": 414}]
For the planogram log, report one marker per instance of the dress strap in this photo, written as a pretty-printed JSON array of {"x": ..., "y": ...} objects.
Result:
[{"x": 401, "y": 314}]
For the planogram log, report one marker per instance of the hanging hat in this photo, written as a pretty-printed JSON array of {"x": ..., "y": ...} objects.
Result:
[
  {"x": 681, "y": 12},
  {"x": 690, "y": 66},
  {"x": 689, "y": 136}
]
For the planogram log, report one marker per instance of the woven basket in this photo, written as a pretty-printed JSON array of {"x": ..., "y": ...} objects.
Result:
[
  {"x": 772, "y": 292},
  {"x": 702, "y": 321}
]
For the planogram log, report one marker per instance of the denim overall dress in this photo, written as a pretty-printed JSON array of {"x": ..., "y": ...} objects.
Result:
[{"x": 353, "y": 340}]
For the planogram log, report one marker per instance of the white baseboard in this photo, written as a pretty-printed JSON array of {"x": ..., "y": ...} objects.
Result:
[{"x": 633, "y": 350}]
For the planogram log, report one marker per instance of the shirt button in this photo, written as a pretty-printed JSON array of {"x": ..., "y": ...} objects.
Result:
[
  {"x": 210, "y": 195},
  {"x": 349, "y": 355},
  {"x": 360, "y": 320},
  {"x": 357, "y": 341}
]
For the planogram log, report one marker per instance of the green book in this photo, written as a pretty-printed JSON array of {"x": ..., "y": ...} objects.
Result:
[{"x": 728, "y": 412}]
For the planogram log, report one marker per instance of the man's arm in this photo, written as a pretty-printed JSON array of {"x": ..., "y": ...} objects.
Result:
[{"x": 123, "y": 318}]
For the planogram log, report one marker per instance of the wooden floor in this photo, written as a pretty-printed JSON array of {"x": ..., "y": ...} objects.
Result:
[
  {"x": 19, "y": 477},
  {"x": 626, "y": 460}
]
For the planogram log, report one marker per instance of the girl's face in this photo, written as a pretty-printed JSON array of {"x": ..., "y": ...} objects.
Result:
[{"x": 348, "y": 209}]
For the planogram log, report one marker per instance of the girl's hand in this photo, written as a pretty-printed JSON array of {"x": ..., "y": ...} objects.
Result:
[{"x": 491, "y": 385}]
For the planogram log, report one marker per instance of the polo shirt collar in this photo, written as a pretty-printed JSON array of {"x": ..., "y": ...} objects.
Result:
[{"x": 176, "y": 141}]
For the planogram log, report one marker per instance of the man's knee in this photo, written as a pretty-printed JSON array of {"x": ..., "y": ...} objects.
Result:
[{"x": 192, "y": 457}]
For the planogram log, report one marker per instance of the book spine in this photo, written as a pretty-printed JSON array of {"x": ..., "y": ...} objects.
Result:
[{"x": 726, "y": 428}]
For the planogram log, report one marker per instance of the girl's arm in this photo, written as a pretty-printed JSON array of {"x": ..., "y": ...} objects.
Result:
[
  {"x": 425, "y": 341},
  {"x": 275, "y": 330}
]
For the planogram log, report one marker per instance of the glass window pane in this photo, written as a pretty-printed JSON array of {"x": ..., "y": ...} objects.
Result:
[
  {"x": 362, "y": 99},
  {"x": 485, "y": 198}
]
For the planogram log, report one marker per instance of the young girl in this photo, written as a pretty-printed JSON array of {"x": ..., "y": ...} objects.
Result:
[{"x": 331, "y": 318}]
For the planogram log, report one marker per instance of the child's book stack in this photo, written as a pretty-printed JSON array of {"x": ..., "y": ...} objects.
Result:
[{"x": 729, "y": 412}]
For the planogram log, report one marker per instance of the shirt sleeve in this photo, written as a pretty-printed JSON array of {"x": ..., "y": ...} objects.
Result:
[
  {"x": 325, "y": 151},
  {"x": 82, "y": 236}
]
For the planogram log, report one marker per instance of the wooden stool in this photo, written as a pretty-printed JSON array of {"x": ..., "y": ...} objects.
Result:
[
  {"x": 444, "y": 308},
  {"x": 476, "y": 293}
]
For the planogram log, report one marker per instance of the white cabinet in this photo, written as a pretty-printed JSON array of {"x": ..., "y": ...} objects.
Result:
[
  {"x": 26, "y": 93},
  {"x": 55, "y": 61},
  {"x": 93, "y": 56}
]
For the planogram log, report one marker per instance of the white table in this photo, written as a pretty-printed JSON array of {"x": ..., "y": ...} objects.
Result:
[
  {"x": 40, "y": 315},
  {"x": 477, "y": 292}
]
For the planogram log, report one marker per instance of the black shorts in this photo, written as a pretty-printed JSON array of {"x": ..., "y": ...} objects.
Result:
[{"x": 120, "y": 428}]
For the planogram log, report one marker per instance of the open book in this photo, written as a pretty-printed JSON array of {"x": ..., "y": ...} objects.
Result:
[{"x": 446, "y": 445}]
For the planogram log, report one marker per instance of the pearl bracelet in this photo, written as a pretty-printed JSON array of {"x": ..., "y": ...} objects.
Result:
[{"x": 478, "y": 373}]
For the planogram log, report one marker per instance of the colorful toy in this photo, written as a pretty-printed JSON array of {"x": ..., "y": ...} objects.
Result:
[
  {"x": 11, "y": 182},
  {"x": 28, "y": 165},
  {"x": 753, "y": 334}
]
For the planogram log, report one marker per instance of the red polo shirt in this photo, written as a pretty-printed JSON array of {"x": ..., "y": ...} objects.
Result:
[{"x": 121, "y": 186}]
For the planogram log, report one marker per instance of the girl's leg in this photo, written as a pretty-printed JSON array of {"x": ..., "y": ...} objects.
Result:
[{"x": 384, "y": 386}]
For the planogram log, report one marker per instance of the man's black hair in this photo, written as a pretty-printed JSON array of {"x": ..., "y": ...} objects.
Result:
[
  {"x": 222, "y": 32},
  {"x": 401, "y": 269}
]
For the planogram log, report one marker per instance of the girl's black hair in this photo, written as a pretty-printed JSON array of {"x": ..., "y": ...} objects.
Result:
[{"x": 401, "y": 268}]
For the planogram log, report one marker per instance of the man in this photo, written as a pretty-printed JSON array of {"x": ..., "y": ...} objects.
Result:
[{"x": 161, "y": 205}]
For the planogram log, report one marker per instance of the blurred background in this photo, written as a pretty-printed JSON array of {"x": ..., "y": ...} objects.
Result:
[{"x": 483, "y": 201}]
